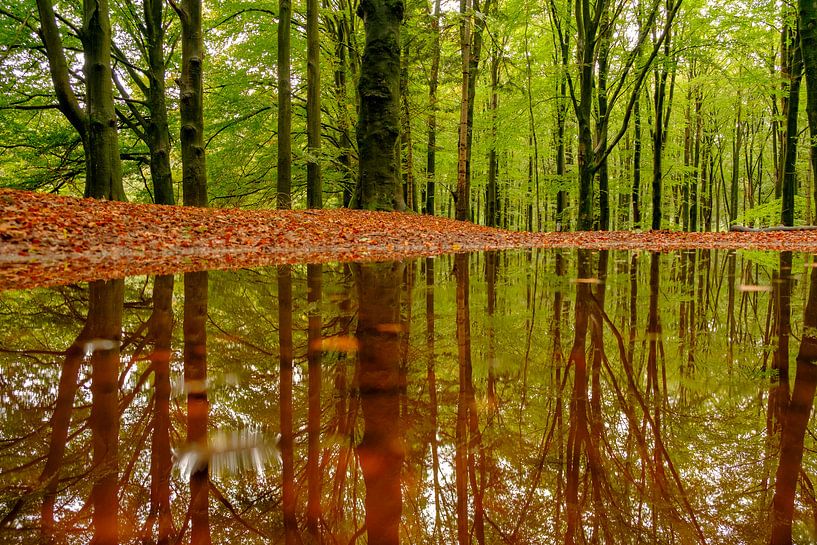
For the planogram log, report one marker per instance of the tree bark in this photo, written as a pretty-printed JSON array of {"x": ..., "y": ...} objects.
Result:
[
  {"x": 314, "y": 184},
  {"x": 157, "y": 132},
  {"x": 431, "y": 153},
  {"x": 463, "y": 193},
  {"x": 789, "y": 179},
  {"x": 194, "y": 167},
  {"x": 379, "y": 89},
  {"x": 808, "y": 46},
  {"x": 284, "y": 182}
]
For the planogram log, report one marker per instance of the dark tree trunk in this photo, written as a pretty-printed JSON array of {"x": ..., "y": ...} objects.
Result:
[
  {"x": 198, "y": 407},
  {"x": 601, "y": 126},
  {"x": 284, "y": 183},
  {"x": 379, "y": 88},
  {"x": 737, "y": 142},
  {"x": 636, "y": 192},
  {"x": 696, "y": 164},
  {"x": 407, "y": 148},
  {"x": 431, "y": 154},
  {"x": 105, "y": 175},
  {"x": 463, "y": 193},
  {"x": 194, "y": 167},
  {"x": 789, "y": 179},
  {"x": 157, "y": 133},
  {"x": 492, "y": 189},
  {"x": 314, "y": 185},
  {"x": 808, "y": 46}
]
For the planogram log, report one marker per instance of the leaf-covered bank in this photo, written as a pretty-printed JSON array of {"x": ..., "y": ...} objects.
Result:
[{"x": 50, "y": 240}]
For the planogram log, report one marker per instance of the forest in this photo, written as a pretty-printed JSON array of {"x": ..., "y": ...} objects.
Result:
[{"x": 559, "y": 115}]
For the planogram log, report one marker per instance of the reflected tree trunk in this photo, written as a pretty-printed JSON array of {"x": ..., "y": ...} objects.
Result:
[
  {"x": 313, "y": 472},
  {"x": 160, "y": 333},
  {"x": 794, "y": 423},
  {"x": 381, "y": 451},
  {"x": 105, "y": 332},
  {"x": 461, "y": 273},
  {"x": 432, "y": 395},
  {"x": 198, "y": 407},
  {"x": 285, "y": 387},
  {"x": 60, "y": 424},
  {"x": 577, "y": 431}
]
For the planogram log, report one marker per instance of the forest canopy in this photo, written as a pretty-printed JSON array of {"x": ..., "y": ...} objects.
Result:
[{"x": 564, "y": 114}]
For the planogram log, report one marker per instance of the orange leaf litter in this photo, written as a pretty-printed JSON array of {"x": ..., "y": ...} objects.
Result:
[{"x": 49, "y": 240}]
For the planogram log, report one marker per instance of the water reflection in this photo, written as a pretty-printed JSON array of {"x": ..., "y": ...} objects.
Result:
[{"x": 541, "y": 397}]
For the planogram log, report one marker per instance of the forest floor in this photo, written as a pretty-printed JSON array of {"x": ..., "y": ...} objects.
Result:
[{"x": 51, "y": 240}]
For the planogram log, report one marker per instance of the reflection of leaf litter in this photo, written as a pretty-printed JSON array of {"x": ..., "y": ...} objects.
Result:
[
  {"x": 229, "y": 452},
  {"x": 100, "y": 344},
  {"x": 389, "y": 328},
  {"x": 336, "y": 343},
  {"x": 586, "y": 281},
  {"x": 753, "y": 288}
]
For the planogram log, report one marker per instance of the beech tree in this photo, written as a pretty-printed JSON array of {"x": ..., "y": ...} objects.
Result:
[
  {"x": 194, "y": 167},
  {"x": 96, "y": 124},
  {"x": 379, "y": 123}
]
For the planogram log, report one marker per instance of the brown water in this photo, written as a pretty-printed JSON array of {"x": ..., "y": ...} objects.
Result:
[{"x": 526, "y": 397}]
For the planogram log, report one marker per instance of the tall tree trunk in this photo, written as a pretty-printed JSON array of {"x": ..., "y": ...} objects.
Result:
[
  {"x": 463, "y": 193},
  {"x": 407, "y": 155},
  {"x": 157, "y": 131},
  {"x": 736, "y": 147},
  {"x": 341, "y": 27},
  {"x": 105, "y": 324},
  {"x": 191, "y": 101},
  {"x": 696, "y": 163},
  {"x": 636, "y": 192},
  {"x": 284, "y": 183},
  {"x": 808, "y": 46},
  {"x": 492, "y": 189},
  {"x": 314, "y": 185},
  {"x": 198, "y": 407},
  {"x": 533, "y": 200},
  {"x": 105, "y": 174},
  {"x": 431, "y": 154},
  {"x": 379, "y": 88},
  {"x": 586, "y": 41},
  {"x": 601, "y": 126},
  {"x": 789, "y": 179}
]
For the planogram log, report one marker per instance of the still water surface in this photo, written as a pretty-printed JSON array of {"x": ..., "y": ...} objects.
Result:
[{"x": 526, "y": 397}]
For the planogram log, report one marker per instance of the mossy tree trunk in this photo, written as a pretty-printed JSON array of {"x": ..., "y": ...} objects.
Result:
[
  {"x": 808, "y": 46},
  {"x": 314, "y": 184},
  {"x": 96, "y": 125},
  {"x": 379, "y": 122},
  {"x": 158, "y": 136},
  {"x": 194, "y": 168}
]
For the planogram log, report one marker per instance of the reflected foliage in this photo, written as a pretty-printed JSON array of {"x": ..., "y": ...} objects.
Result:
[{"x": 529, "y": 397}]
